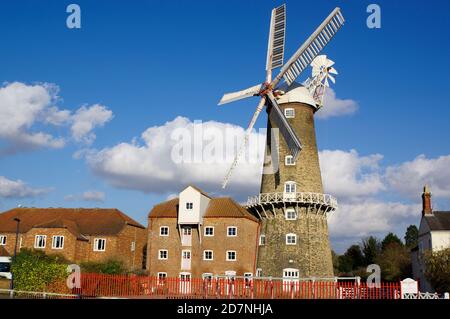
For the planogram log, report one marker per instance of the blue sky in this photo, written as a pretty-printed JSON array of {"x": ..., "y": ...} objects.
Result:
[{"x": 149, "y": 62}]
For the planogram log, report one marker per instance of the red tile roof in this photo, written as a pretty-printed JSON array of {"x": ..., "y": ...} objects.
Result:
[
  {"x": 79, "y": 221},
  {"x": 218, "y": 207}
]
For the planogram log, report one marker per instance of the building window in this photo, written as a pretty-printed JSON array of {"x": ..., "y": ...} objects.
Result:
[
  {"x": 262, "y": 240},
  {"x": 2, "y": 240},
  {"x": 163, "y": 254},
  {"x": 164, "y": 231},
  {"x": 290, "y": 187},
  {"x": 289, "y": 160},
  {"x": 189, "y": 205},
  {"x": 291, "y": 239},
  {"x": 58, "y": 242},
  {"x": 290, "y": 214},
  {"x": 209, "y": 231},
  {"x": 289, "y": 113},
  {"x": 231, "y": 255},
  {"x": 99, "y": 244},
  {"x": 232, "y": 231},
  {"x": 208, "y": 255},
  {"x": 259, "y": 272},
  {"x": 162, "y": 276},
  {"x": 133, "y": 246},
  {"x": 39, "y": 241}
]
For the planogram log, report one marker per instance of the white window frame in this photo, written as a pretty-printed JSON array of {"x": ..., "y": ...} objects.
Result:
[
  {"x": 227, "y": 255},
  {"x": 161, "y": 251},
  {"x": 290, "y": 210},
  {"x": 162, "y": 276},
  {"x": 36, "y": 240},
  {"x": 258, "y": 272},
  {"x": 289, "y": 160},
  {"x": 293, "y": 236},
  {"x": 3, "y": 240},
  {"x": 97, "y": 241},
  {"x": 287, "y": 111},
  {"x": 189, "y": 205},
  {"x": 161, "y": 233},
  {"x": 54, "y": 242},
  {"x": 209, "y": 227},
  {"x": 207, "y": 275},
  {"x": 262, "y": 242},
  {"x": 133, "y": 246},
  {"x": 235, "y": 232},
  {"x": 292, "y": 186},
  {"x": 208, "y": 251}
]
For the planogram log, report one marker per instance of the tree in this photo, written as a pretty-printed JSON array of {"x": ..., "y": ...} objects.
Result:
[
  {"x": 437, "y": 269},
  {"x": 355, "y": 254},
  {"x": 36, "y": 271},
  {"x": 390, "y": 238},
  {"x": 371, "y": 248},
  {"x": 411, "y": 236},
  {"x": 394, "y": 261}
]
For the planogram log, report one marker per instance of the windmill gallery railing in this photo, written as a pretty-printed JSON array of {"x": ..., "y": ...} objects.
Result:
[
  {"x": 300, "y": 198},
  {"x": 132, "y": 286}
]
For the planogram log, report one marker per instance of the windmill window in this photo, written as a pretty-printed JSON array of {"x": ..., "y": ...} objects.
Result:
[
  {"x": 290, "y": 187},
  {"x": 232, "y": 231},
  {"x": 189, "y": 206},
  {"x": 208, "y": 255},
  {"x": 163, "y": 254},
  {"x": 289, "y": 160},
  {"x": 231, "y": 255},
  {"x": 262, "y": 240},
  {"x": 291, "y": 239},
  {"x": 290, "y": 214},
  {"x": 209, "y": 231},
  {"x": 289, "y": 113},
  {"x": 164, "y": 231}
]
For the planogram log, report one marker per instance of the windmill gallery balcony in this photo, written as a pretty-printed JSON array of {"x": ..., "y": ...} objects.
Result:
[{"x": 301, "y": 198}]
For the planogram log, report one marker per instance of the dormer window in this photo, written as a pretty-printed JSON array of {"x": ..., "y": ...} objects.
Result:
[
  {"x": 189, "y": 206},
  {"x": 289, "y": 113}
]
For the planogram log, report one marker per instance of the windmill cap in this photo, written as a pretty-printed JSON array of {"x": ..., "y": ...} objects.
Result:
[{"x": 295, "y": 93}]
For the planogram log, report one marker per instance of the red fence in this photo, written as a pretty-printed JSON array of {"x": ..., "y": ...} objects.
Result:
[{"x": 97, "y": 285}]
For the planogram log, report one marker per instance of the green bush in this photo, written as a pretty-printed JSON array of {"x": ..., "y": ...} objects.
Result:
[
  {"x": 110, "y": 267},
  {"x": 34, "y": 270}
]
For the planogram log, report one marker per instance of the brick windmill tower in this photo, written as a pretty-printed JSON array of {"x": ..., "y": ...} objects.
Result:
[{"x": 291, "y": 205}]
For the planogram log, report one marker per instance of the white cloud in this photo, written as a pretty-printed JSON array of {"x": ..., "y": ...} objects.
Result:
[
  {"x": 94, "y": 196},
  {"x": 334, "y": 106},
  {"x": 18, "y": 189},
  {"x": 347, "y": 174},
  {"x": 369, "y": 216},
  {"x": 21, "y": 106},
  {"x": 149, "y": 164},
  {"x": 86, "y": 119},
  {"x": 409, "y": 177},
  {"x": 24, "y": 107}
]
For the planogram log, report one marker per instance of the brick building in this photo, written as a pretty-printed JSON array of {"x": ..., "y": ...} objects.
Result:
[
  {"x": 79, "y": 234},
  {"x": 196, "y": 236}
]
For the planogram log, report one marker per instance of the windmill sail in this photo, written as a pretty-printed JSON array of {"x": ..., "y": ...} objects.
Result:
[
  {"x": 277, "y": 34},
  {"x": 278, "y": 118},
  {"x": 235, "y": 96},
  {"x": 311, "y": 48}
]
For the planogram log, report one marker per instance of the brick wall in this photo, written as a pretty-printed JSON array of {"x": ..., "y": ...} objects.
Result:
[{"x": 244, "y": 244}]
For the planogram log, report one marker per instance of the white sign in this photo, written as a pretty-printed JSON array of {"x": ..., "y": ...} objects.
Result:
[{"x": 409, "y": 286}]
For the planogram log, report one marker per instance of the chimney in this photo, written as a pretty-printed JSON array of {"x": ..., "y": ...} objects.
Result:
[{"x": 426, "y": 201}]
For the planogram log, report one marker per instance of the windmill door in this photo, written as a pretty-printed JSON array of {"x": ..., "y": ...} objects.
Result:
[{"x": 290, "y": 279}]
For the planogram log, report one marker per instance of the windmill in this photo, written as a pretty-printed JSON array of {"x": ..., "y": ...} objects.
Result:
[{"x": 271, "y": 89}]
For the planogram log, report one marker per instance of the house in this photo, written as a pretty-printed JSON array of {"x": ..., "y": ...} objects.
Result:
[
  {"x": 434, "y": 235},
  {"x": 78, "y": 234},
  {"x": 195, "y": 236}
]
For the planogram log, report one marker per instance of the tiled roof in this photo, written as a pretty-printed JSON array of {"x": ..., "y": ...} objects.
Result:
[
  {"x": 200, "y": 191},
  {"x": 218, "y": 207},
  {"x": 80, "y": 221},
  {"x": 438, "y": 220}
]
